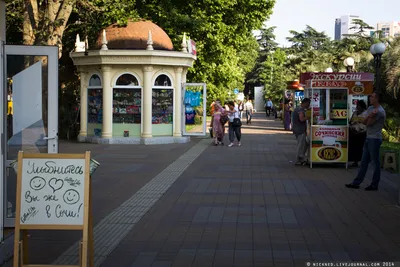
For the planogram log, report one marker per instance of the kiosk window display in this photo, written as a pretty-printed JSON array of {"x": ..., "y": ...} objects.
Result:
[
  {"x": 162, "y": 106},
  {"x": 331, "y": 96},
  {"x": 127, "y": 102},
  {"x": 95, "y": 106}
]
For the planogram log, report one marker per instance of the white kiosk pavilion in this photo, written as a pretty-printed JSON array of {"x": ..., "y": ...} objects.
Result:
[{"x": 131, "y": 86}]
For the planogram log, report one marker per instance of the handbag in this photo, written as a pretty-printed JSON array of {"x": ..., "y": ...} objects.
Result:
[
  {"x": 224, "y": 119},
  {"x": 236, "y": 122}
]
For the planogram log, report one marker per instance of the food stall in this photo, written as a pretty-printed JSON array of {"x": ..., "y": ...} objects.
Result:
[{"x": 333, "y": 98}]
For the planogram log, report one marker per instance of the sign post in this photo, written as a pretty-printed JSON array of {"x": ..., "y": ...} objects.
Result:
[{"x": 53, "y": 193}]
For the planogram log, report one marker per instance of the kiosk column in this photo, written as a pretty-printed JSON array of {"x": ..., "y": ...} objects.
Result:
[
  {"x": 147, "y": 101},
  {"x": 107, "y": 102},
  {"x": 84, "y": 107},
  {"x": 178, "y": 102}
]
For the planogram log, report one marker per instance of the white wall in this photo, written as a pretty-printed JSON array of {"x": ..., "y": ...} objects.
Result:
[{"x": 259, "y": 98}]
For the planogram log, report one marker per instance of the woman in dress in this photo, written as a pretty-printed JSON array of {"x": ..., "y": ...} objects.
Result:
[
  {"x": 287, "y": 119},
  {"x": 217, "y": 127},
  {"x": 357, "y": 134}
]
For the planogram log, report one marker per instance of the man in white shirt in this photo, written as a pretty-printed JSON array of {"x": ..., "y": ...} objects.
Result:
[{"x": 249, "y": 111}]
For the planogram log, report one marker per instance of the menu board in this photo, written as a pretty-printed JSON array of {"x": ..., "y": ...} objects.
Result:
[
  {"x": 52, "y": 191},
  {"x": 329, "y": 144}
]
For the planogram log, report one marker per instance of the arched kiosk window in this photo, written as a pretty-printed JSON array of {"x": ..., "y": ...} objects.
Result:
[
  {"x": 127, "y": 106},
  {"x": 163, "y": 106},
  {"x": 95, "y": 105}
]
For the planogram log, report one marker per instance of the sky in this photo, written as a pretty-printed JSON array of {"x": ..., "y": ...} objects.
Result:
[{"x": 320, "y": 14}]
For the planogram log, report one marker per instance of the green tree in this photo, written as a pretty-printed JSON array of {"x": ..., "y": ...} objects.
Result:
[
  {"x": 274, "y": 76},
  {"x": 309, "y": 51},
  {"x": 221, "y": 29}
]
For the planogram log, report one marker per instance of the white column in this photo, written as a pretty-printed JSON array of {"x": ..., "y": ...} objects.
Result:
[
  {"x": 147, "y": 102},
  {"x": 84, "y": 103},
  {"x": 184, "y": 73},
  {"x": 178, "y": 102},
  {"x": 107, "y": 102}
]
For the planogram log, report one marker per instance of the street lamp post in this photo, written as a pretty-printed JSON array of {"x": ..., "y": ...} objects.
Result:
[
  {"x": 377, "y": 51},
  {"x": 349, "y": 64}
]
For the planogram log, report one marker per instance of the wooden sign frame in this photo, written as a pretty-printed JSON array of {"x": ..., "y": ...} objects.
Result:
[{"x": 86, "y": 248}]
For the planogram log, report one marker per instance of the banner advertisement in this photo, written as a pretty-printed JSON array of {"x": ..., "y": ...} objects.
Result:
[{"x": 329, "y": 144}]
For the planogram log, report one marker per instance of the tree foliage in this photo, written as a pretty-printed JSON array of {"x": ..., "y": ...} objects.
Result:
[{"x": 222, "y": 30}]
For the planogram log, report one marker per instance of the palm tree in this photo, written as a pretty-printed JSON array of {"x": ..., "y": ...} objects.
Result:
[{"x": 391, "y": 67}]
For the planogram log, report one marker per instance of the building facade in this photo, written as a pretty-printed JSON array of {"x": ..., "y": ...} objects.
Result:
[
  {"x": 338, "y": 30},
  {"x": 389, "y": 29},
  {"x": 131, "y": 86},
  {"x": 345, "y": 25}
]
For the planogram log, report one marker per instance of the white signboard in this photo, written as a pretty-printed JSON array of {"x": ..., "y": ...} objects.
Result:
[{"x": 52, "y": 191}]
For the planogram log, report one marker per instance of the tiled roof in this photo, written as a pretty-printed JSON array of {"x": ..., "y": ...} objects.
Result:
[{"x": 134, "y": 36}]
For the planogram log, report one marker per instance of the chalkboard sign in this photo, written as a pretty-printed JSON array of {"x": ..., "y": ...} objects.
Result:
[{"x": 53, "y": 193}]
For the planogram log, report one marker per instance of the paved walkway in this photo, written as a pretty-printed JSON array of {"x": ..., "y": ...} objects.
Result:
[{"x": 201, "y": 205}]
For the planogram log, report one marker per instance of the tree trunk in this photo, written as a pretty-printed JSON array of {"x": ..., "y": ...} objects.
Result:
[{"x": 44, "y": 24}]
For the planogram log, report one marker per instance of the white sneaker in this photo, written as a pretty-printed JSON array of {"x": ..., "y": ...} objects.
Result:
[
  {"x": 239, "y": 144},
  {"x": 231, "y": 144}
]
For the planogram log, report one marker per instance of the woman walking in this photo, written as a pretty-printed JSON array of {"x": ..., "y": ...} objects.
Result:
[
  {"x": 357, "y": 134},
  {"x": 234, "y": 124},
  {"x": 286, "y": 115},
  {"x": 217, "y": 126}
]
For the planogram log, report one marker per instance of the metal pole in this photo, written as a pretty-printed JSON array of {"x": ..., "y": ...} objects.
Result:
[{"x": 377, "y": 63}]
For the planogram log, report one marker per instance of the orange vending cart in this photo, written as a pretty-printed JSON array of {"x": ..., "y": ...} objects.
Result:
[{"x": 332, "y": 96}]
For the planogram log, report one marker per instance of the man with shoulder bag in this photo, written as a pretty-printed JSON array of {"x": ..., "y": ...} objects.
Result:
[{"x": 235, "y": 124}]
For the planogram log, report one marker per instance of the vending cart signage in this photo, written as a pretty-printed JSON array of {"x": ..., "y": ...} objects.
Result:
[
  {"x": 355, "y": 88},
  {"x": 342, "y": 77},
  {"x": 339, "y": 114},
  {"x": 329, "y": 144}
]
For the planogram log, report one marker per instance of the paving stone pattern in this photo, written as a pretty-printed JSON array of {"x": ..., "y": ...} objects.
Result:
[
  {"x": 113, "y": 228},
  {"x": 124, "y": 170},
  {"x": 238, "y": 206},
  {"x": 249, "y": 206}
]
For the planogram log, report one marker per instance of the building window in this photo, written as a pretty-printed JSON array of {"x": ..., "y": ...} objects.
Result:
[
  {"x": 163, "y": 80},
  {"x": 127, "y": 100},
  {"x": 162, "y": 101},
  {"x": 127, "y": 80},
  {"x": 95, "y": 105},
  {"x": 162, "y": 106},
  {"x": 95, "y": 81}
]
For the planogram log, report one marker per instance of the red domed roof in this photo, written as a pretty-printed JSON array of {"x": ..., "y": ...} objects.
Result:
[{"x": 134, "y": 36}]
